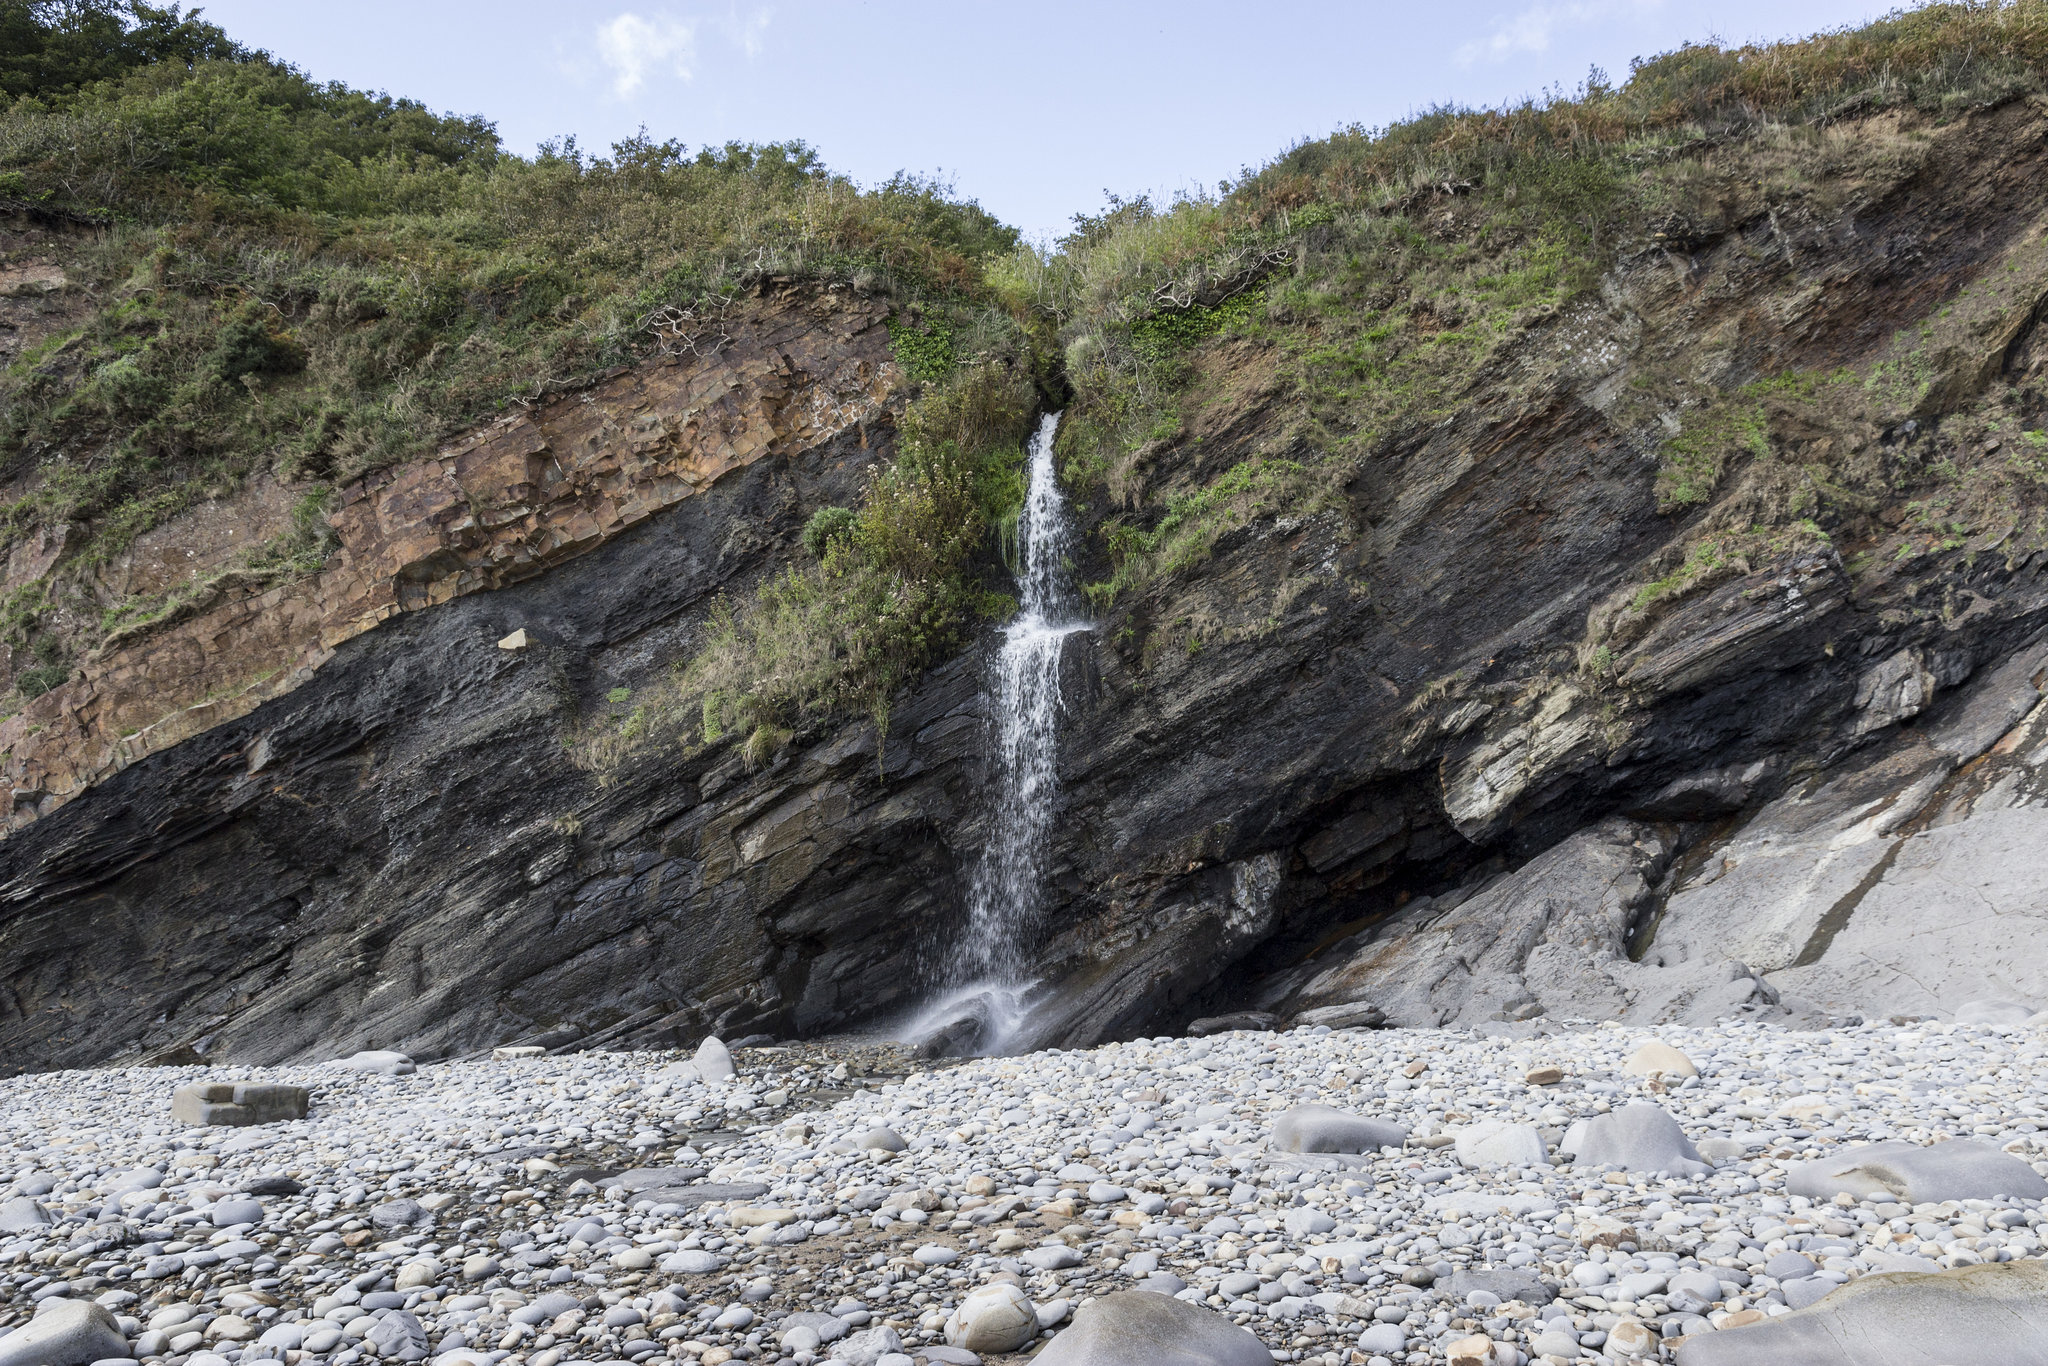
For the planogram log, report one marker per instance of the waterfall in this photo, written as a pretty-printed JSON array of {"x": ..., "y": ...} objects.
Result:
[{"x": 981, "y": 1005}]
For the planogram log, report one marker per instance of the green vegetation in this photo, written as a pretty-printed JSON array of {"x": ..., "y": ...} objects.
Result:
[
  {"x": 896, "y": 587},
  {"x": 329, "y": 281},
  {"x": 296, "y": 276},
  {"x": 1383, "y": 276}
]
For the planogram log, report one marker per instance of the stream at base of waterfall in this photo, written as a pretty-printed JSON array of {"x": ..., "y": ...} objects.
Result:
[{"x": 984, "y": 997}]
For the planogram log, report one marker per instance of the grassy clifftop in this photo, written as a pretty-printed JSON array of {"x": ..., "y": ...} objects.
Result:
[{"x": 270, "y": 273}]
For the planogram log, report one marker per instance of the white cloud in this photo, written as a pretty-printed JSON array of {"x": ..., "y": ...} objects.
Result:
[
  {"x": 1531, "y": 29},
  {"x": 634, "y": 48},
  {"x": 747, "y": 32}
]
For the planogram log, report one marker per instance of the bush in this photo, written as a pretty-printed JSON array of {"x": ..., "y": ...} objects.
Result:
[
  {"x": 895, "y": 587},
  {"x": 826, "y": 526},
  {"x": 332, "y": 281}
]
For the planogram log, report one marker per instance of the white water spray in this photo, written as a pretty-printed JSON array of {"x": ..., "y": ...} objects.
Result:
[{"x": 988, "y": 965}]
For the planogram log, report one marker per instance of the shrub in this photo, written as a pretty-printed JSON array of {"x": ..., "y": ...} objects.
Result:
[{"x": 826, "y": 526}]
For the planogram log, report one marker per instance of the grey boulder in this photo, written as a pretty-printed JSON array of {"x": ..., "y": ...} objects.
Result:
[
  {"x": 1352, "y": 1015},
  {"x": 1509, "y": 1283},
  {"x": 1320, "y": 1129},
  {"x": 383, "y": 1062},
  {"x": 1224, "y": 1024},
  {"x": 1638, "y": 1137},
  {"x": 1997, "y": 1312},
  {"x": 22, "y": 1214},
  {"x": 1993, "y": 1013},
  {"x": 714, "y": 1060},
  {"x": 64, "y": 1333},
  {"x": 1960, "y": 1169},
  {"x": 1138, "y": 1328}
]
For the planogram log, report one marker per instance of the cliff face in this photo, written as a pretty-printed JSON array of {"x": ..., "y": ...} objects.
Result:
[{"x": 1454, "y": 746}]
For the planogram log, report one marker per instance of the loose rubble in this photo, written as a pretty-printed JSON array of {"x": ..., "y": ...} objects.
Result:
[{"x": 846, "y": 1203}]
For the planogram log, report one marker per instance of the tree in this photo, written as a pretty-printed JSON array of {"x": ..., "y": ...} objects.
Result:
[{"x": 53, "y": 48}]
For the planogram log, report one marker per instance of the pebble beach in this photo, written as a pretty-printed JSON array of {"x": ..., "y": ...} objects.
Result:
[{"x": 1512, "y": 1198}]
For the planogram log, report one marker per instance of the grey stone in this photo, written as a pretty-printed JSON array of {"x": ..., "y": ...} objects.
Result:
[
  {"x": 380, "y": 1061},
  {"x": 1509, "y": 1283},
  {"x": 1224, "y": 1024},
  {"x": 1384, "y": 1339},
  {"x": 692, "y": 1262},
  {"x": 228, "y": 1213},
  {"x": 1997, "y": 1312},
  {"x": 828, "y": 1327},
  {"x": 1802, "y": 1291},
  {"x": 881, "y": 1138},
  {"x": 996, "y": 1318},
  {"x": 1789, "y": 1266},
  {"x": 654, "y": 1178},
  {"x": 1351, "y": 1015},
  {"x": 714, "y": 1060},
  {"x": 1321, "y": 1129},
  {"x": 400, "y": 1335},
  {"x": 1057, "y": 1257},
  {"x": 1993, "y": 1013},
  {"x": 397, "y": 1214},
  {"x": 1134, "y": 1328},
  {"x": 238, "y": 1103},
  {"x": 1639, "y": 1137},
  {"x": 64, "y": 1333},
  {"x": 869, "y": 1347},
  {"x": 23, "y": 1214},
  {"x": 1960, "y": 1169}
]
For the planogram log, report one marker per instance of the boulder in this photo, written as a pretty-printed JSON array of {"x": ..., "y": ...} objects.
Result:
[
  {"x": 1960, "y": 1169},
  {"x": 237, "y": 1103},
  {"x": 1658, "y": 1059},
  {"x": 1997, "y": 1312},
  {"x": 1507, "y": 1282},
  {"x": 1639, "y": 1137},
  {"x": 381, "y": 1061},
  {"x": 1138, "y": 1328},
  {"x": 714, "y": 1060},
  {"x": 1223, "y": 1024},
  {"x": 64, "y": 1333},
  {"x": 1352, "y": 1015},
  {"x": 1321, "y": 1129},
  {"x": 23, "y": 1214},
  {"x": 1490, "y": 1143},
  {"x": 869, "y": 1347},
  {"x": 995, "y": 1318},
  {"x": 1993, "y": 1013}
]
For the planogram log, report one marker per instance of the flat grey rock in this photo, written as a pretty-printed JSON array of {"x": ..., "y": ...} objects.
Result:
[
  {"x": 702, "y": 1194},
  {"x": 1993, "y": 1013},
  {"x": 64, "y": 1333},
  {"x": 22, "y": 1214},
  {"x": 1960, "y": 1169},
  {"x": 1137, "y": 1328},
  {"x": 1509, "y": 1283},
  {"x": 1321, "y": 1129},
  {"x": 1224, "y": 1024},
  {"x": 1350, "y": 1015},
  {"x": 1639, "y": 1137},
  {"x": 654, "y": 1178},
  {"x": 1996, "y": 1313}
]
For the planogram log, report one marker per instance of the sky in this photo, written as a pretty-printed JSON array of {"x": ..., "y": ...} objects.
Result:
[{"x": 1034, "y": 110}]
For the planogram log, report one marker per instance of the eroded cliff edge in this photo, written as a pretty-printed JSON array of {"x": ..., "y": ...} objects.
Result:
[{"x": 1448, "y": 748}]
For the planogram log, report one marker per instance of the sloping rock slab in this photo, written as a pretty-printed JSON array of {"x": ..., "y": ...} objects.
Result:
[
  {"x": 692, "y": 1196},
  {"x": 1996, "y": 1312},
  {"x": 1960, "y": 1169}
]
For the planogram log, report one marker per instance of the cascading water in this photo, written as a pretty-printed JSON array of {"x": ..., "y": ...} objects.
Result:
[{"x": 982, "y": 1007}]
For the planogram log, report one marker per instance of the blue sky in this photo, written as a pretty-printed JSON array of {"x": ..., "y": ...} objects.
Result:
[{"x": 1034, "y": 110}]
